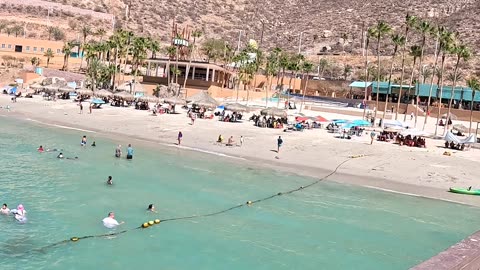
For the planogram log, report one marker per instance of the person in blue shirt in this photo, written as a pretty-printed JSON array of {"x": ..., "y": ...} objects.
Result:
[{"x": 129, "y": 152}]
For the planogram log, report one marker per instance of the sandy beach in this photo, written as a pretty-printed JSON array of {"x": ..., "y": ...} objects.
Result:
[{"x": 316, "y": 153}]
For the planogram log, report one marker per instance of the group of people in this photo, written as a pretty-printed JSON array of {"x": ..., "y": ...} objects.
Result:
[
  {"x": 455, "y": 146},
  {"x": 111, "y": 223},
  {"x": 231, "y": 141},
  {"x": 270, "y": 122},
  {"x": 411, "y": 141},
  {"x": 227, "y": 117},
  {"x": 20, "y": 214},
  {"x": 118, "y": 151}
]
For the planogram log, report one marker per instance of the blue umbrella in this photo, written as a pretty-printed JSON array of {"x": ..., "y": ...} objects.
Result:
[
  {"x": 97, "y": 101},
  {"x": 361, "y": 123},
  {"x": 339, "y": 121}
]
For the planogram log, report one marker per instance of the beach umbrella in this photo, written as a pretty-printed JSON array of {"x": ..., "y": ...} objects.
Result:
[
  {"x": 86, "y": 92},
  {"x": 124, "y": 95},
  {"x": 361, "y": 123},
  {"x": 66, "y": 89},
  {"x": 452, "y": 116},
  {"x": 320, "y": 119},
  {"x": 205, "y": 100},
  {"x": 339, "y": 121},
  {"x": 175, "y": 100},
  {"x": 274, "y": 112},
  {"x": 202, "y": 95},
  {"x": 103, "y": 93},
  {"x": 97, "y": 101},
  {"x": 461, "y": 128},
  {"x": 36, "y": 86},
  {"x": 52, "y": 88},
  {"x": 148, "y": 99},
  {"x": 394, "y": 129},
  {"x": 414, "y": 132},
  {"x": 236, "y": 107}
]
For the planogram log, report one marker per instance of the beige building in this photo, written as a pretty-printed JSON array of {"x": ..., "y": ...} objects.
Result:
[{"x": 29, "y": 46}]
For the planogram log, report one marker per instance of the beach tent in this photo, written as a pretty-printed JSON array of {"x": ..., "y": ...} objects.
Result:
[
  {"x": 414, "y": 132},
  {"x": 449, "y": 137}
]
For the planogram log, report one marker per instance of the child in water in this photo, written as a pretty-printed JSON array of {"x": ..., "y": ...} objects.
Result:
[
  {"x": 151, "y": 208},
  {"x": 110, "y": 180}
]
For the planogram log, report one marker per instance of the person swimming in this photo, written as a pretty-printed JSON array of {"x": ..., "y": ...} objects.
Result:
[
  {"x": 151, "y": 208},
  {"x": 110, "y": 180},
  {"x": 40, "y": 149},
  {"x": 20, "y": 213},
  {"x": 93, "y": 144},
  {"x": 4, "y": 210},
  {"x": 60, "y": 155}
]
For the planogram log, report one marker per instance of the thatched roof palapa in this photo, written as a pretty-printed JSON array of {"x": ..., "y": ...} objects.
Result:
[
  {"x": 103, "y": 93},
  {"x": 236, "y": 107},
  {"x": 175, "y": 100},
  {"x": 273, "y": 111},
  {"x": 124, "y": 95}
]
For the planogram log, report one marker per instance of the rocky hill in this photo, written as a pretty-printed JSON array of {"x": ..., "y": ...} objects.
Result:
[{"x": 323, "y": 23}]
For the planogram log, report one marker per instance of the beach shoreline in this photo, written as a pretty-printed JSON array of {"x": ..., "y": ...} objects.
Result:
[{"x": 314, "y": 162}]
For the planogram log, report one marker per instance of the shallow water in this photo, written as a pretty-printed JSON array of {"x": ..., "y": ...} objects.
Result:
[{"x": 328, "y": 226}]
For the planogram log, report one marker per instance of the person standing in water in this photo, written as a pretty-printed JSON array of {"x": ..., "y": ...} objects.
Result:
[
  {"x": 110, "y": 180},
  {"x": 84, "y": 141},
  {"x": 118, "y": 151},
  {"x": 179, "y": 137},
  {"x": 129, "y": 152},
  {"x": 40, "y": 149},
  {"x": 110, "y": 221}
]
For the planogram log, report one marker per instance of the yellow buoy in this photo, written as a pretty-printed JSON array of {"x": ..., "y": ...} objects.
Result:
[
  {"x": 74, "y": 239},
  {"x": 145, "y": 225},
  {"x": 150, "y": 222},
  {"x": 157, "y": 221}
]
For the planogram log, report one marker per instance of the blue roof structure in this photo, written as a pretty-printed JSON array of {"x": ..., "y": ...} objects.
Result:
[{"x": 359, "y": 84}]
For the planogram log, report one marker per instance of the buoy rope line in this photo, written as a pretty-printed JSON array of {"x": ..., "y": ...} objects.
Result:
[{"x": 158, "y": 221}]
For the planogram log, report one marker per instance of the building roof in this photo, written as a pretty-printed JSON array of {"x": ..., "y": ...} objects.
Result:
[
  {"x": 184, "y": 63},
  {"x": 360, "y": 84}
]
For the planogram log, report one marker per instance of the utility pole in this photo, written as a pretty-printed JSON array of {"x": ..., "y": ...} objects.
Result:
[
  {"x": 300, "y": 43},
  {"x": 239, "y": 38},
  {"x": 261, "y": 36}
]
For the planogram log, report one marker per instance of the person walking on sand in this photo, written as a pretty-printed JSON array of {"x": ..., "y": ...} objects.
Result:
[
  {"x": 81, "y": 107},
  {"x": 241, "y": 140},
  {"x": 279, "y": 143},
  {"x": 179, "y": 137},
  {"x": 90, "y": 109},
  {"x": 411, "y": 116},
  {"x": 372, "y": 136}
]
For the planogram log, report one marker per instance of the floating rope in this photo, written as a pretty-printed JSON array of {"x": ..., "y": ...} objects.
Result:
[{"x": 158, "y": 221}]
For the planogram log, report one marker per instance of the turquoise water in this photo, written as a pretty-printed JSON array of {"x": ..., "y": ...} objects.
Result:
[{"x": 328, "y": 226}]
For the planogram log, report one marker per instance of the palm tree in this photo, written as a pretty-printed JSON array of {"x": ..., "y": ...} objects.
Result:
[
  {"x": 381, "y": 29},
  {"x": 410, "y": 22},
  {"x": 67, "y": 50},
  {"x": 306, "y": 68},
  {"x": 474, "y": 84},
  {"x": 447, "y": 39},
  {"x": 322, "y": 66},
  {"x": 86, "y": 31},
  {"x": 425, "y": 28},
  {"x": 435, "y": 32},
  {"x": 463, "y": 53},
  {"x": 398, "y": 41},
  {"x": 370, "y": 33},
  {"x": 35, "y": 61},
  {"x": 271, "y": 68},
  {"x": 195, "y": 34},
  {"x": 416, "y": 52},
  {"x": 101, "y": 33},
  {"x": 49, "y": 54},
  {"x": 139, "y": 54},
  {"x": 171, "y": 51}
]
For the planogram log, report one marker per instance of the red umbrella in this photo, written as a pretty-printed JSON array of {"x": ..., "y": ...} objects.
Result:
[
  {"x": 321, "y": 119},
  {"x": 301, "y": 118}
]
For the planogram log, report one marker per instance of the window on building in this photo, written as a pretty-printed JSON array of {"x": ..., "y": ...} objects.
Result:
[
  {"x": 34, "y": 49},
  {"x": 27, "y": 48},
  {"x": 42, "y": 49},
  {"x": 9, "y": 46},
  {"x": 3, "y": 46}
]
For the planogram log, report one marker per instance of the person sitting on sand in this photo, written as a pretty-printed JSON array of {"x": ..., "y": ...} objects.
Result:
[
  {"x": 220, "y": 139},
  {"x": 4, "y": 210},
  {"x": 230, "y": 141},
  {"x": 151, "y": 208},
  {"x": 110, "y": 180},
  {"x": 110, "y": 221}
]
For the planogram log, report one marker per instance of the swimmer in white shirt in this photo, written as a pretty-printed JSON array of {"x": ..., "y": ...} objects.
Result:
[
  {"x": 110, "y": 221},
  {"x": 4, "y": 210}
]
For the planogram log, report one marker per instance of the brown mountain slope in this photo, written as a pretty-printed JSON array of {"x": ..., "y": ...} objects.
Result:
[{"x": 322, "y": 22}]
